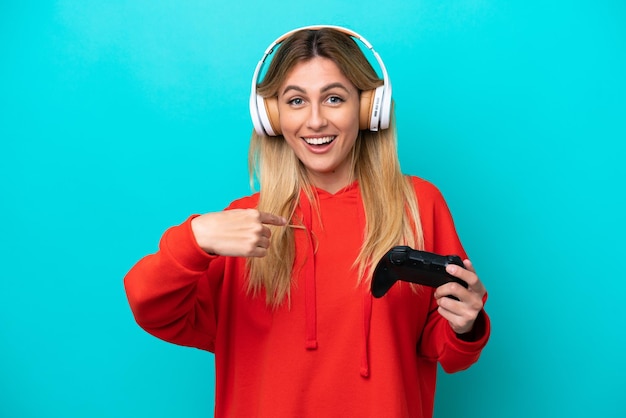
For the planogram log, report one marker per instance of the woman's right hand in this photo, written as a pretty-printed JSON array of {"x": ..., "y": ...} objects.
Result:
[{"x": 236, "y": 232}]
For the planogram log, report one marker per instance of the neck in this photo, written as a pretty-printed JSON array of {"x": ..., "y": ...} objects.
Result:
[{"x": 330, "y": 182}]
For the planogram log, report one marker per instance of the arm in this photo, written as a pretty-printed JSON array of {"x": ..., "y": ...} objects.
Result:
[
  {"x": 174, "y": 294},
  {"x": 453, "y": 351},
  {"x": 456, "y": 331},
  {"x": 460, "y": 327}
]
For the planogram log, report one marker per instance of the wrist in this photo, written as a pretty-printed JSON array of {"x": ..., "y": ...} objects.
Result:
[
  {"x": 199, "y": 231},
  {"x": 476, "y": 332}
]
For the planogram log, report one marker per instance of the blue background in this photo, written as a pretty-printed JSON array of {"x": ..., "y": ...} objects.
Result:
[{"x": 121, "y": 118}]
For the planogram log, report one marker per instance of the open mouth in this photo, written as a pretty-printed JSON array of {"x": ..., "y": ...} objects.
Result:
[{"x": 324, "y": 140}]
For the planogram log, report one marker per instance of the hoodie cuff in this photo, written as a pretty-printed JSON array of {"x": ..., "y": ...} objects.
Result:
[
  {"x": 474, "y": 340},
  {"x": 181, "y": 244}
]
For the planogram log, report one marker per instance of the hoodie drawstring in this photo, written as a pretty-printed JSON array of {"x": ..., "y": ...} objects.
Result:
[
  {"x": 367, "y": 321},
  {"x": 310, "y": 288},
  {"x": 367, "y": 301}
]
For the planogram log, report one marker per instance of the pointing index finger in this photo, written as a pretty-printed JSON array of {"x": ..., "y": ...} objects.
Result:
[{"x": 271, "y": 219}]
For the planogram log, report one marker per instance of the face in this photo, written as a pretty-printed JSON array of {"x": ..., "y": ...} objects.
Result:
[{"x": 319, "y": 118}]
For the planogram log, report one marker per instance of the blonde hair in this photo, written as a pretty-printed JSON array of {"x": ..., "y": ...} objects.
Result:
[{"x": 389, "y": 201}]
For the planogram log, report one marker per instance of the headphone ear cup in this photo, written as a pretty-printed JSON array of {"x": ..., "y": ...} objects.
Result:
[
  {"x": 385, "y": 108},
  {"x": 266, "y": 112},
  {"x": 365, "y": 109},
  {"x": 370, "y": 111},
  {"x": 271, "y": 107}
]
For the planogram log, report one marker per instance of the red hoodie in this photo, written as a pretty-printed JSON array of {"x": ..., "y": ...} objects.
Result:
[{"x": 334, "y": 351}]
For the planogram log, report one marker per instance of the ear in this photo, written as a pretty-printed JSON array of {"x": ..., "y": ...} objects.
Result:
[
  {"x": 365, "y": 109},
  {"x": 271, "y": 107}
]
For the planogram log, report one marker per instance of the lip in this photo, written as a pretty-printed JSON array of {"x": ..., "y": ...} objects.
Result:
[
  {"x": 319, "y": 139},
  {"x": 317, "y": 144}
]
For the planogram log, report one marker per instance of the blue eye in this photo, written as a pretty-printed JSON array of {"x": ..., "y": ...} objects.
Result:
[
  {"x": 335, "y": 100},
  {"x": 296, "y": 101}
]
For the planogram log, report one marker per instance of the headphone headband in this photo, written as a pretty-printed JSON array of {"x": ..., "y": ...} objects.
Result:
[{"x": 380, "y": 107}]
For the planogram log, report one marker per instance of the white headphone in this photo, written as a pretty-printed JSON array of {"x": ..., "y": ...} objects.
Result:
[{"x": 375, "y": 106}]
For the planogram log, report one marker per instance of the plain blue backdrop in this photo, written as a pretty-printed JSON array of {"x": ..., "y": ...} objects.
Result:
[{"x": 120, "y": 118}]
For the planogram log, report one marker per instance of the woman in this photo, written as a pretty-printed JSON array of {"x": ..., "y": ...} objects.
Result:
[{"x": 278, "y": 285}]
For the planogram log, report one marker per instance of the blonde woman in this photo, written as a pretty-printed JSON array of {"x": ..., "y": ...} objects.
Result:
[{"x": 278, "y": 284}]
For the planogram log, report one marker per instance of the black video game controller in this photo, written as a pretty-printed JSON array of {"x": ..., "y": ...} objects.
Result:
[{"x": 415, "y": 266}]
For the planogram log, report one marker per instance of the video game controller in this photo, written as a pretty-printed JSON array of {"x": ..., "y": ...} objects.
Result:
[{"x": 415, "y": 266}]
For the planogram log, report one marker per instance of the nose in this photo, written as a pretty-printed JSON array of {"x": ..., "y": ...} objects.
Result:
[{"x": 316, "y": 118}]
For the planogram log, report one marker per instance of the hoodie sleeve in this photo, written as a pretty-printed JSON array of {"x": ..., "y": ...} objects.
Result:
[
  {"x": 173, "y": 292},
  {"x": 438, "y": 341},
  {"x": 455, "y": 353}
]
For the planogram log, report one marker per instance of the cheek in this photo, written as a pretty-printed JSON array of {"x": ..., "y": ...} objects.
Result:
[
  {"x": 292, "y": 141},
  {"x": 350, "y": 121},
  {"x": 289, "y": 139},
  {"x": 288, "y": 123},
  {"x": 351, "y": 114}
]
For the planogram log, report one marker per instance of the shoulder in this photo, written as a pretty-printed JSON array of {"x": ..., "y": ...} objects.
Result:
[
  {"x": 430, "y": 200},
  {"x": 246, "y": 202},
  {"x": 438, "y": 227},
  {"x": 425, "y": 190}
]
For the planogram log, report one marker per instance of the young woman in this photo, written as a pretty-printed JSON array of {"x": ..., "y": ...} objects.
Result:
[{"x": 278, "y": 284}]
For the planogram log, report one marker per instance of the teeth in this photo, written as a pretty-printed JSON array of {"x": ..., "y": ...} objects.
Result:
[{"x": 319, "y": 141}]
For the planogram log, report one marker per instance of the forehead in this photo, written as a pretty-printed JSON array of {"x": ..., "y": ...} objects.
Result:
[{"x": 315, "y": 74}]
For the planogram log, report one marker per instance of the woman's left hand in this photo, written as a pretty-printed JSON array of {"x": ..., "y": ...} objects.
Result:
[{"x": 461, "y": 313}]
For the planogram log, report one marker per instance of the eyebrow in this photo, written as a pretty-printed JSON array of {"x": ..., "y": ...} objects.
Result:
[{"x": 323, "y": 90}]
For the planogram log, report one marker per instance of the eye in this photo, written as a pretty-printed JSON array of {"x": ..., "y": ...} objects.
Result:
[
  {"x": 296, "y": 101},
  {"x": 335, "y": 100}
]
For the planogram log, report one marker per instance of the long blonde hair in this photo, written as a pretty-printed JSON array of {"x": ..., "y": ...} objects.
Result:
[{"x": 389, "y": 201}]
